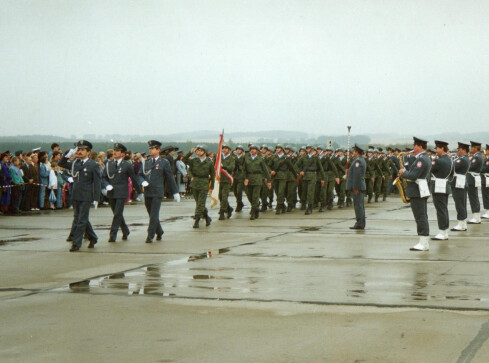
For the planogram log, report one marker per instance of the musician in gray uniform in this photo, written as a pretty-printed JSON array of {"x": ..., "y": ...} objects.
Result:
[
  {"x": 458, "y": 184},
  {"x": 356, "y": 184},
  {"x": 114, "y": 180},
  {"x": 442, "y": 171},
  {"x": 485, "y": 184},
  {"x": 86, "y": 189},
  {"x": 474, "y": 182},
  {"x": 153, "y": 175},
  {"x": 418, "y": 190}
]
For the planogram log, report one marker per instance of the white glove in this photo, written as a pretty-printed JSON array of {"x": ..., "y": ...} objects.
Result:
[
  {"x": 176, "y": 196},
  {"x": 71, "y": 153},
  {"x": 145, "y": 183},
  {"x": 104, "y": 192},
  {"x": 70, "y": 180},
  {"x": 109, "y": 188},
  {"x": 95, "y": 204}
]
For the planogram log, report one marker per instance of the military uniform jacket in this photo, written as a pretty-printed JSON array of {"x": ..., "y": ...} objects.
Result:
[
  {"x": 238, "y": 168},
  {"x": 392, "y": 166},
  {"x": 86, "y": 179},
  {"x": 420, "y": 169},
  {"x": 442, "y": 168},
  {"x": 311, "y": 166},
  {"x": 228, "y": 164},
  {"x": 356, "y": 174},
  {"x": 461, "y": 166},
  {"x": 292, "y": 175},
  {"x": 329, "y": 168},
  {"x": 373, "y": 168},
  {"x": 281, "y": 166},
  {"x": 255, "y": 170},
  {"x": 157, "y": 174},
  {"x": 202, "y": 172},
  {"x": 476, "y": 163},
  {"x": 117, "y": 176},
  {"x": 340, "y": 168}
]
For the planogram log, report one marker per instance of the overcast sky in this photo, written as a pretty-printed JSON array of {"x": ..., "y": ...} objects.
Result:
[{"x": 142, "y": 67}]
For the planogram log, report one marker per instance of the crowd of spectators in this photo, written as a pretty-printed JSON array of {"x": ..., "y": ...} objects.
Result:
[{"x": 33, "y": 181}]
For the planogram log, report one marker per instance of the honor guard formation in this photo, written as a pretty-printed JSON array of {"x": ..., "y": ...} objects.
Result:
[{"x": 310, "y": 179}]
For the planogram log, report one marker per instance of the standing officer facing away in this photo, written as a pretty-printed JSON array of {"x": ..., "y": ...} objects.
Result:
[
  {"x": 86, "y": 189},
  {"x": 153, "y": 175},
  {"x": 114, "y": 180},
  {"x": 417, "y": 189},
  {"x": 356, "y": 184}
]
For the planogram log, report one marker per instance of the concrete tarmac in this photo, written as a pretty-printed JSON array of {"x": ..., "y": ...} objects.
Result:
[{"x": 281, "y": 288}]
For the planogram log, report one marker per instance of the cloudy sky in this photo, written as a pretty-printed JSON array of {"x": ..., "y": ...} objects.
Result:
[{"x": 138, "y": 67}]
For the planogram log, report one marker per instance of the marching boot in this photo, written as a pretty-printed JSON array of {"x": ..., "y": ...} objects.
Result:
[
  {"x": 384, "y": 198},
  {"x": 476, "y": 219},
  {"x": 348, "y": 202},
  {"x": 289, "y": 208},
  {"x": 330, "y": 205},
  {"x": 278, "y": 209},
  {"x": 441, "y": 236},
  {"x": 221, "y": 215},
  {"x": 239, "y": 207},
  {"x": 369, "y": 198},
  {"x": 376, "y": 198},
  {"x": 196, "y": 223},
  {"x": 461, "y": 226},
  {"x": 230, "y": 211},
  {"x": 208, "y": 219},
  {"x": 283, "y": 208},
  {"x": 342, "y": 204},
  {"x": 252, "y": 214},
  {"x": 309, "y": 210},
  {"x": 321, "y": 208},
  {"x": 264, "y": 207},
  {"x": 303, "y": 206},
  {"x": 422, "y": 245},
  {"x": 485, "y": 215},
  {"x": 257, "y": 213}
]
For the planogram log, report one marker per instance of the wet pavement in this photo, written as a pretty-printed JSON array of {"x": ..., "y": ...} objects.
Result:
[{"x": 309, "y": 285}]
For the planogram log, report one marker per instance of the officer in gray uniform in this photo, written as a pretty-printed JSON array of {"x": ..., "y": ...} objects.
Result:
[
  {"x": 86, "y": 189},
  {"x": 442, "y": 171},
  {"x": 114, "y": 180},
  {"x": 153, "y": 175},
  {"x": 474, "y": 182},
  {"x": 418, "y": 190},
  {"x": 485, "y": 184},
  {"x": 355, "y": 183},
  {"x": 459, "y": 189}
]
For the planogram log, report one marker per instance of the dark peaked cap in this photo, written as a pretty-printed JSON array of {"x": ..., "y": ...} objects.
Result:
[
  {"x": 83, "y": 144},
  {"x": 439, "y": 143},
  {"x": 154, "y": 143},
  {"x": 120, "y": 147}
]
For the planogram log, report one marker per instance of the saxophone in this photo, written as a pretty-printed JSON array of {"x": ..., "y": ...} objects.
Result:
[{"x": 401, "y": 183}]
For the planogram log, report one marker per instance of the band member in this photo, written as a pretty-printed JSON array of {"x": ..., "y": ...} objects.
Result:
[
  {"x": 86, "y": 189},
  {"x": 474, "y": 182},
  {"x": 356, "y": 184},
  {"x": 459, "y": 190},
  {"x": 442, "y": 170},
  {"x": 115, "y": 177},
  {"x": 153, "y": 175},
  {"x": 485, "y": 184},
  {"x": 417, "y": 189}
]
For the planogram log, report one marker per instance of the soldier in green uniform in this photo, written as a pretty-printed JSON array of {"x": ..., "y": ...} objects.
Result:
[
  {"x": 331, "y": 177},
  {"x": 228, "y": 164},
  {"x": 388, "y": 169},
  {"x": 291, "y": 186},
  {"x": 340, "y": 163},
  {"x": 255, "y": 174},
  {"x": 266, "y": 201},
  {"x": 370, "y": 175},
  {"x": 238, "y": 184},
  {"x": 201, "y": 173},
  {"x": 281, "y": 167},
  {"x": 302, "y": 154},
  {"x": 310, "y": 169},
  {"x": 379, "y": 175}
]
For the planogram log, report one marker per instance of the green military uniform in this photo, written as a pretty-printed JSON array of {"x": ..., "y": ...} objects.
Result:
[
  {"x": 266, "y": 201},
  {"x": 379, "y": 174},
  {"x": 228, "y": 164},
  {"x": 340, "y": 188},
  {"x": 300, "y": 184},
  {"x": 201, "y": 173},
  {"x": 370, "y": 175},
  {"x": 291, "y": 185},
  {"x": 255, "y": 171},
  {"x": 312, "y": 169},
  {"x": 238, "y": 184},
  {"x": 387, "y": 169},
  {"x": 331, "y": 173},
  {"x": 282, "y": 167}
]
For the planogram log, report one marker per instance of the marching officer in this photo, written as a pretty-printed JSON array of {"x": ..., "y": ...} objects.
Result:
[
  {"x": 114, "y": 180},
  {"x": 228, "y": 164},
  {"x": 356, "y": 184},
  {"x": 86, "y": 189},
  {"x": 418, "y": 190},
  {"x": 155, "y": 172},
  {"x": 442, "y": 170},
  {"x": 202, "y": 174},
  {"x": 474, "y": 182},
  {"x": 459, "y": 186},
  {"x": 255, "y": 173},
  {"x": 280, "y": 166},
  {"x": 238, "y": 183}
]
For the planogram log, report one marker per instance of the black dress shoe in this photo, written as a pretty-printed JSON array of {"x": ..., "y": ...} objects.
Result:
[
  {"x": 69, "y": 239},
  {"x": 124, "y": 237},
  {"x": 112, "y": 239},
  {"x": 148, "y": 240},
  {"x": 357, "y": 227},
  {"x": 92, "y": 244},
  {"x": 158, "y": 237},
  {"x": 74, "y": 248}
]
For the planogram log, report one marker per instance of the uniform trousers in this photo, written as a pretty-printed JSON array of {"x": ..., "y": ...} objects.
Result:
[
  {"x": 485, "y": 192},
  {"x": 460, "y": 199},
  {"x": 440, "y": 201},
  {"x": 153, "y": 205},
  {"x": 238, "y": 188},
  {"x": 340, "y": 189},
  {"x": 279, "y": 186},
  {"x": 473, "y": 194},
  {"x": 359, "y": 206},
  {"x": 200, "y": 196},
  {"x": 81, "y": 224},
  {"x": 254, "y": 195},
  {"x": 224, "y": 189},
  {"x": 308, "y": 188},
  {"x": 291, "y": 188},
  {"x": 117, "y": 206},
  {"x": 419, "y": 206}
]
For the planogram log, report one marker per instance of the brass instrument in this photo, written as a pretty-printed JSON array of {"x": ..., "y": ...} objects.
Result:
[{"x": 401, "y": 183}]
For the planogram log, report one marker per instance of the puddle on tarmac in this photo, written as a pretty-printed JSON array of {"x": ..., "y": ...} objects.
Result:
[{"x": 22, "y": 239}]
